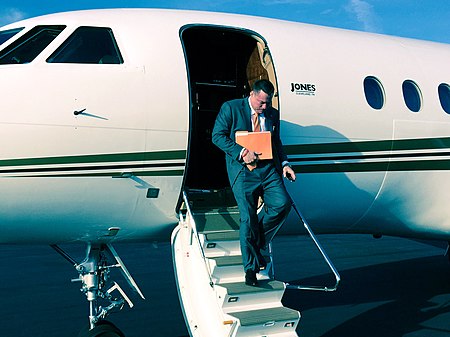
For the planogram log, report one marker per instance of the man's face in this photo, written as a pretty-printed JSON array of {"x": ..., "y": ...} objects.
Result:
[{"x": 260, "y": 101}]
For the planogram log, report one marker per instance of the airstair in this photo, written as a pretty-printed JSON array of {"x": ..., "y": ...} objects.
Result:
[{"x": 208, "y": 268}]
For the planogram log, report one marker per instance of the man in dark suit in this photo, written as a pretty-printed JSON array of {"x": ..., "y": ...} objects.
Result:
[{"x": 254, "y": 113}]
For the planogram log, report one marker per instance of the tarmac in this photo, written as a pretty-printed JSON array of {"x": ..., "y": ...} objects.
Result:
[{"x": 390, "y": 287}]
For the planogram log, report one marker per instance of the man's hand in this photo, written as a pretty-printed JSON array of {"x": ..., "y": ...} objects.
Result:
[
  {"x": 288, "y": 173},
  {"x": 250, "y": 157}
]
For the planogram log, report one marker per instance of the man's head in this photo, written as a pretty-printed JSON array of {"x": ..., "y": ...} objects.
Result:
[{"x": 261, "y": 95}]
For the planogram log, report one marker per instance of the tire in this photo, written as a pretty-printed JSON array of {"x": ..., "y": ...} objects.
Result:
[{"x": 102, "y": 329}]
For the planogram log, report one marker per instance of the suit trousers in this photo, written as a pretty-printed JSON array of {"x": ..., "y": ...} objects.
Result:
[{"x": 263, "y": 181}]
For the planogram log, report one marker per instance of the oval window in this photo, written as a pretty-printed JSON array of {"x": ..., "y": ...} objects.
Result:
[
  {"x": 444, "y": 96},
  {"x": 374, "y": 92},
  {"x": 412, "y": 96}
]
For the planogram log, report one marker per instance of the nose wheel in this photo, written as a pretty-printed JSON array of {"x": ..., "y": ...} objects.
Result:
[{"x": 102, "y": 329}]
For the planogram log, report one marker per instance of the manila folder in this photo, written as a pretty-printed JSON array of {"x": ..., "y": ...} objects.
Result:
[{"x": 259, "y": 142}]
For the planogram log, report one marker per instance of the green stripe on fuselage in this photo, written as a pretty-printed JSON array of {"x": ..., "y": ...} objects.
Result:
[
  {"x": 160, "y": 173},
  {"x": 369, "y": 146},
  {"x": 96, "y": 158},
  {"x": 407, "y": 165},
  {"x": 291, "y": 150},
  {"x": 386, "y": 162}
]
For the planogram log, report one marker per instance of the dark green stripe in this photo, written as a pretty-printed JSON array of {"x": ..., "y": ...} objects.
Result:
[
  {"x": 371, "y": 157},
  {"x": 301, "y": 149},
  {"x": 97, "y": 158},
  {"x": 105, "y": 167},
  {"x": 162, "y": 173},
  {"x": 409, "y": 165},
  {"x": 369, "y": 146}
]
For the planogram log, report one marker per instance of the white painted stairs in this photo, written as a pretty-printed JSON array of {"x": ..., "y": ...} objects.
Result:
[{"x": 214, "y": 298}]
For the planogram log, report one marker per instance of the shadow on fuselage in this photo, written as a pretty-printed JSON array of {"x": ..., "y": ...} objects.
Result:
[{"x": 335, "y": 193}]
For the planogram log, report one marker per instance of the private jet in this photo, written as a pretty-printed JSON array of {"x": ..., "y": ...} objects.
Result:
[{"x": 106, "y": 120}]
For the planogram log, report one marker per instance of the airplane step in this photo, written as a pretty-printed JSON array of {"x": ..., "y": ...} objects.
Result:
[
  {"x": 210, "y": 199},
  {"x": 227, "y": 269},
  {"x": 266, "y": 322},
  {"x": 231, "y": 235},
  {"x": 217, "y": 220},
  {"x": 239, "y": 295},
  {"x": 228, "y": 261},
  {"x": 222, "y": 243}
]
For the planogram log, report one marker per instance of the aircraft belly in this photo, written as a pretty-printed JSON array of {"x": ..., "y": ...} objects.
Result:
[
  {"x": 413, "y": 204},
  {"x": 56, "y": 210},
  {"x": 334, "y": 202},
  {"x": 413, "y": 200}
]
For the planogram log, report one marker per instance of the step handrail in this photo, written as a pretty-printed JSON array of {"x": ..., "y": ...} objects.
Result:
[
  {"x": 197, "y": 237},
  {"x": 324, "y": 255}
]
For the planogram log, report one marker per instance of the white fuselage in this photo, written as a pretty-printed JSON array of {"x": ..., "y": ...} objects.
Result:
[{"x": 67, "y": 177}]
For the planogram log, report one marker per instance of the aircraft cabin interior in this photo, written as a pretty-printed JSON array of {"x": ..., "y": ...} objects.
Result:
[{"x": 222, "y": 65}]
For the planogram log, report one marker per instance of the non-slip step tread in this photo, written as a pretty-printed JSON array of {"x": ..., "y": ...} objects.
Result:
[
  {"x": 231, "y": 260},
  {"x": 210, "y": 218},
  {"x": 232, "y": 235},
  {"x": 240, "y": 288},
  {"x": 264, "y": 316},
  {"x": 210, "y": 199},
  {"x": 226, "y": 261}
]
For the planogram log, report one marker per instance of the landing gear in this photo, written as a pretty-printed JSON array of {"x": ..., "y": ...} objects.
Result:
[{"x": 103, "y": 295}]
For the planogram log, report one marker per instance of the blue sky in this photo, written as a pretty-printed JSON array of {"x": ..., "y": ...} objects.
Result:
[{"x": 421, "y": 19}]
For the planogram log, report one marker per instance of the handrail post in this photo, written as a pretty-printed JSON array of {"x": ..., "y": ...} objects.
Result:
[{"x": 324, "y": 255}]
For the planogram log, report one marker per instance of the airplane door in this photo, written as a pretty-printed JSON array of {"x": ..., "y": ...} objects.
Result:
[{"x": 222, "y": 64}]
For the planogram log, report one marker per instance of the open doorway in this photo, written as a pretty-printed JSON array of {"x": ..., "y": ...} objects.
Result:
[{"x": 223, "y": 63}]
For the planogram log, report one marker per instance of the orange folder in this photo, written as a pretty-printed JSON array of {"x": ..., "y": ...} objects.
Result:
[{"x": 259, "y": 142}]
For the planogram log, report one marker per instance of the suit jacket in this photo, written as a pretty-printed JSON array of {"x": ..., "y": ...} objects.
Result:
[{"x": 235, "y": 116}]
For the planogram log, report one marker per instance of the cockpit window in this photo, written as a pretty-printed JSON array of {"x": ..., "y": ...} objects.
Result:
[
  {"x": 95, "y": 45},
  {"x": 7, "y": 34},
  {"x": 31, "y": 44}
]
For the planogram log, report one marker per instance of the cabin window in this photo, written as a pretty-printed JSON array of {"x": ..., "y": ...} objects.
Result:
[
  {"x": 7, "y": 34},
  {"x": 92, "y": 45},
  {"x": 26, "y": 48},
  {"x": 412, "y": 96},
  {"x": 444, "y": 96},
  {"x": 373, "y": 89}
]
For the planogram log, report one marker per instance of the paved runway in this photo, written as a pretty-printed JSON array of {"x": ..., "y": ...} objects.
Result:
[{"x": 390, "y": 287}]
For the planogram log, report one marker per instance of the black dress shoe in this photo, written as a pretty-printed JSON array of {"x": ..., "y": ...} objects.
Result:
[{"x": 250, "y": 278}]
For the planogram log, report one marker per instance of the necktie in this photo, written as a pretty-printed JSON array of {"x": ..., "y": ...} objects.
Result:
[
  {"x": 256, "y": 124},
  {"x": 256, "y": 128}
]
